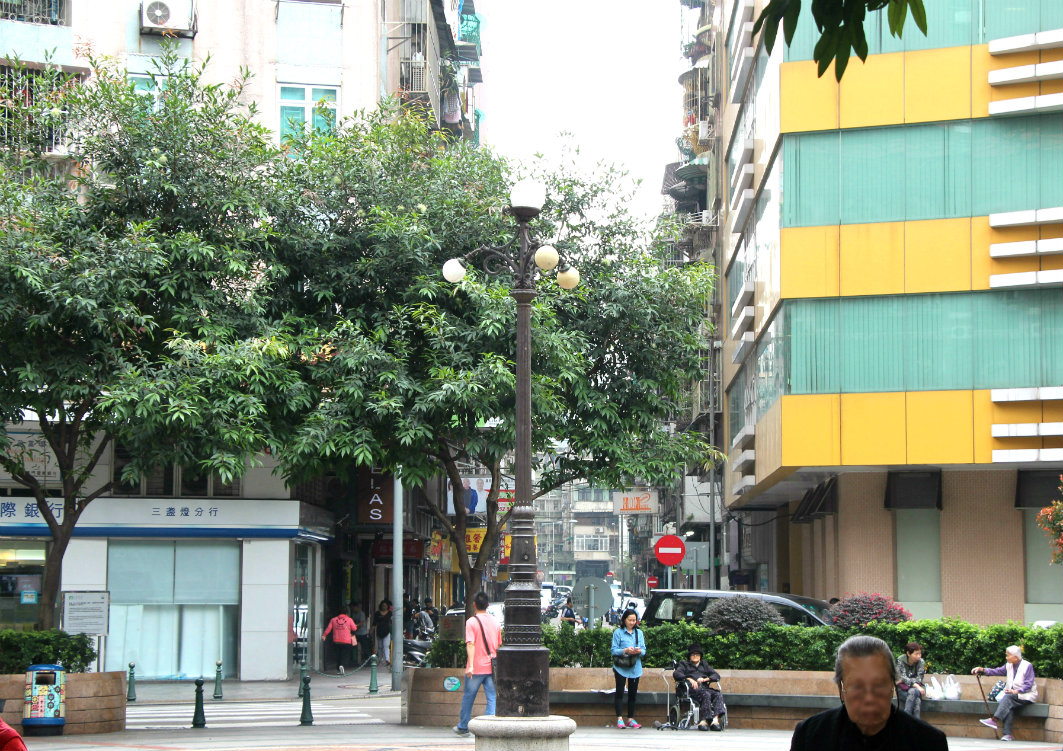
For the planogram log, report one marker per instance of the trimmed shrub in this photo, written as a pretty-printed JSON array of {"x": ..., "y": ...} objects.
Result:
[
  {"x": 20, "y": 649},
  {"x": 949, "y": 646},
  {"x": 861, "y": 609},
  {"x": 735, "y": 615}
]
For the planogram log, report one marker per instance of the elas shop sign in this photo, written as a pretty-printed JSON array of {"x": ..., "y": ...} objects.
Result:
[{"x": 376, "y": 497}]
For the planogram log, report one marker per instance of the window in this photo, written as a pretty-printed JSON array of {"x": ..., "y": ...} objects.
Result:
[
  {"x": 591, "y": 543},
  {"x": 163, "y": 481},
  {"x": 300, "y": 105}
]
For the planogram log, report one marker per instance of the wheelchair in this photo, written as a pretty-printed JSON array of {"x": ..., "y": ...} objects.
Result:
[{"x": 685, "y": 714}]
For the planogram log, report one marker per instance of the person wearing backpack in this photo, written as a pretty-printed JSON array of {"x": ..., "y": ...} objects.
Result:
[
  {"x": 629, "y": 645},
  {"x": 483, "y": 634}
]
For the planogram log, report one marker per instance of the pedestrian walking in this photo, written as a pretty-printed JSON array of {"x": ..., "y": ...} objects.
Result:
[
  {"x": 911, "y": 668},
  {"x": 629, "y": 645},
  {"x": 363, "y": 647},
  {"x": 382, "y": 631},
  {"x": 865, "y": 672},
  {"x": 482, "y": 637},
  {"x": 343, "y": 629},
  {"x": 1019, "y": 689}
]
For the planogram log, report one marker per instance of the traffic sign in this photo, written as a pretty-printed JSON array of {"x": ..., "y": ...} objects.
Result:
[
  {"x": 670, "y": 550},
  {"x": 652, "y": 582}
]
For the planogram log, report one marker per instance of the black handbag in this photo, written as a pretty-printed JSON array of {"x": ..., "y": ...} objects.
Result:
[{"x": 626, "y": 660}]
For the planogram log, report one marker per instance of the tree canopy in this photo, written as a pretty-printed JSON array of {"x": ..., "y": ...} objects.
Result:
[{"x": 186, "y": 288}]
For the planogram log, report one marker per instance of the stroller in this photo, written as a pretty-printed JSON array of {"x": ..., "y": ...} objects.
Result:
[{"x": 685, "y": 713}]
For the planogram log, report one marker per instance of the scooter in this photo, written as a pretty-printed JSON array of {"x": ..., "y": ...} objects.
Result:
[{"x": 414, "y": 651}]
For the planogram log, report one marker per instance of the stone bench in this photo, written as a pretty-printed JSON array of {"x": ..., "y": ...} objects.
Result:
[{"x": 763, "y": 699}]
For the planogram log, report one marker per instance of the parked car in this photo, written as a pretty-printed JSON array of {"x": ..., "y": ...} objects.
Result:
[
  {"x": 673, "y": 605},
  {"x": 497, "y": 609}
]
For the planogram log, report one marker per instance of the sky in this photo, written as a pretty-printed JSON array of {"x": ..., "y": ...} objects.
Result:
[{"x": 605, "y": 71}]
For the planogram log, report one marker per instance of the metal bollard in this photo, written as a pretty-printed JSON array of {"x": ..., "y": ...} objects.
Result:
[
  {"x": 302, "y": 676},
  {"x": 307, "y": 718},
  {"x": 131, "y": 691},
  {"x": 217, "y": 681},
  {"x": 199, "y": 720},
  {"x": 373, "y": 688}
]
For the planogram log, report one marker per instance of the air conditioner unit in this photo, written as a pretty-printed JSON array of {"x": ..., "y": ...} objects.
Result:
[
  {"x": 176, "y": 17},
  {"x": 599, "y": 530}
]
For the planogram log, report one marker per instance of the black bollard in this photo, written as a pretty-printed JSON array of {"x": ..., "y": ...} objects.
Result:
[
  {"x": 131, "y": 691},
  {"x": 199, "y": 720},
  {"x": 217, "y": 682},
  {"x": 307, "y": 717},
  {"x": 302, "y": 676}
]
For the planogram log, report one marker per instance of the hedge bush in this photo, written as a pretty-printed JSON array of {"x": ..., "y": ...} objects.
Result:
[
  {"x": 20, "y": 649},
  {"x": 856, "y": 611},
  {"x": 732, "y": 615},
  {"x": 949, "y": 646}
]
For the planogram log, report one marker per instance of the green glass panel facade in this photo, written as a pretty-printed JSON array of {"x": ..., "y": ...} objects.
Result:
[
  {"x": 950, "y": 23},
  {"x": 932, "y": 342},
  {"x": 925, "y": 171}
]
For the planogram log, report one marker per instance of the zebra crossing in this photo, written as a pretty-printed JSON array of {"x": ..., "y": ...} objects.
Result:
[{"x": 245, "y": 714}]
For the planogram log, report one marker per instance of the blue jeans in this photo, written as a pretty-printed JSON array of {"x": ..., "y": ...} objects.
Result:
[{"x": 472, "y": 685}]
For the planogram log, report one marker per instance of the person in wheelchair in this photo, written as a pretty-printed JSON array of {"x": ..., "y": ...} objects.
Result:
[{"x": 693, "y": 677}]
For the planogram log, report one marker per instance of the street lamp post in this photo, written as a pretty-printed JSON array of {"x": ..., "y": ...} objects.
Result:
[{"x": 523, "y": 663}]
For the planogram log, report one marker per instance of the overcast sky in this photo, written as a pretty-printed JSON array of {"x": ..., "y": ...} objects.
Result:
[{"x": 605, "y": 71}]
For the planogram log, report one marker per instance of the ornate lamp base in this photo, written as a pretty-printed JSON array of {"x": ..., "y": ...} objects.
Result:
[{"x": 522, "y": 733}]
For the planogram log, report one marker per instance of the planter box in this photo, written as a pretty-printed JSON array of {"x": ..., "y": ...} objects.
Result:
[
  {"x": 95, "y": 702},
  {"x": 762, "y": 699}
]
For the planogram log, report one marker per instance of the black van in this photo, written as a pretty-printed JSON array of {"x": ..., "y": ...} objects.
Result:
[{"x": 673, "y": 605}]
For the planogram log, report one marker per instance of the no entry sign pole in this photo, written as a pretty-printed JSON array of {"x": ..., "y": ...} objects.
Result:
[{"x": 670, "y": 550}]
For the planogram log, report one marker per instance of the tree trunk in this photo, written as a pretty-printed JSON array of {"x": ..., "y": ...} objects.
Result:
[{"x": 53, "y": 579}]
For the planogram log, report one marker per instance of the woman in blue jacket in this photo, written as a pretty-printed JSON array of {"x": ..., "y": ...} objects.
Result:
[{"x": 629, "y": 644}]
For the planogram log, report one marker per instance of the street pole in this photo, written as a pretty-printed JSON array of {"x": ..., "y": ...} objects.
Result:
[
  {"x": 522, "y": 664},
  {"x": 397, "y": 615}
]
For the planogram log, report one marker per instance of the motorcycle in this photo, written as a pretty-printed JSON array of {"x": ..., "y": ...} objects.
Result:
[{"x": 415, "y": 651}]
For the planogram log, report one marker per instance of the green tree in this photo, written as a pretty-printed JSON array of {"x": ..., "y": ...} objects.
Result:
[
  {"x": 414, "y": 372},
  {"x": 130, "y": 271},
  {"x": 840, "y": 24}
]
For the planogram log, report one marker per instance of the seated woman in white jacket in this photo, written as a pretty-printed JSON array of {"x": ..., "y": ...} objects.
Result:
[{"x": 1019, "y": 689}]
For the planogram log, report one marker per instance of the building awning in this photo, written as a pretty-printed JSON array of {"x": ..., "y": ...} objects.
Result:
[
  {"x": 695, "y": 168},
  {"x": 475, "y": 74}
]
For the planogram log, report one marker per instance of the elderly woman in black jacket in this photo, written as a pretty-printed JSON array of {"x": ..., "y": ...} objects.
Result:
[{"x": 698, "y": 674}]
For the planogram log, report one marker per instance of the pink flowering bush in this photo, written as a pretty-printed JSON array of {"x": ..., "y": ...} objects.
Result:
[
  {"x": 858, "y": 610},
  {"x": 1050, "y": 519}
]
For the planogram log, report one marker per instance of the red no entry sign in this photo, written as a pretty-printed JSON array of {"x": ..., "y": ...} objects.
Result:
[
  {"x": 652, "y": 582},
  {"x": 670, "y": 550}
]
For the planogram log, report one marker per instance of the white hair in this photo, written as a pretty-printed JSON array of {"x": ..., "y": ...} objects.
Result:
[{"x": 1014, "y": 649}]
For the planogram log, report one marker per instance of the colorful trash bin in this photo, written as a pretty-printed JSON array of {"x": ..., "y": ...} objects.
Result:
[{"x": 44, "y": 708}]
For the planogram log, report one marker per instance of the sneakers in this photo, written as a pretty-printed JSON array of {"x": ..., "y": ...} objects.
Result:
[
  {"x": 1007, "y": 738},
  {"x": 989, "y": 723},
  {"x": 632, "y": 724},
  {"x": 461, "y": 731},
  {"x": 341, "y": 670},
  {"x": 620, "y": 723}
]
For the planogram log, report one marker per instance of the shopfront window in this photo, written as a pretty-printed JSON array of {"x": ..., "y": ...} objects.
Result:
[
  {"x": 21, "y": 576},
  {"x": 174, "y": 607}
]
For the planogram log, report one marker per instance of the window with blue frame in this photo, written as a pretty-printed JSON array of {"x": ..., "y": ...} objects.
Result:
[{"x": 303, "y": 105}]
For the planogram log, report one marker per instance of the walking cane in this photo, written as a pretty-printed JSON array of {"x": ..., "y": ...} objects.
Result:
[{"x": 996, "y": 731}]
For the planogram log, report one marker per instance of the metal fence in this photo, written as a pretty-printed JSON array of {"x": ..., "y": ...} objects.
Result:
[{"x": 55, "y": 12}]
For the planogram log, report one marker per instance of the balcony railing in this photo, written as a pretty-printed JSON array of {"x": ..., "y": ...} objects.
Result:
[{"x": 54, "y": 12}]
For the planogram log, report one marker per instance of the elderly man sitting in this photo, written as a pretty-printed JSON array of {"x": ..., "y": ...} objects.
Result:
[
  {"x": 1019, "y": 689},
  {"x": 698, "y": 674},
  {"x": 867, "y": 719}
]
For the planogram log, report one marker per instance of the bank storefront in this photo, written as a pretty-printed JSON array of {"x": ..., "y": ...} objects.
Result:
[{"x": 190, "y": 580}]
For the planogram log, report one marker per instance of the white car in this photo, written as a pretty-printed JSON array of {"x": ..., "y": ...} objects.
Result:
[{"x": 637, "y": 604}]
